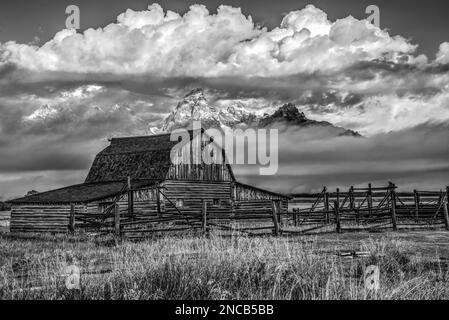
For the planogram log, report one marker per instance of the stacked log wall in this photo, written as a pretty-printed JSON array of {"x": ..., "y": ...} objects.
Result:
[
  {"x": 193, "y": 193},
  {"x": 53, "y": 218}
]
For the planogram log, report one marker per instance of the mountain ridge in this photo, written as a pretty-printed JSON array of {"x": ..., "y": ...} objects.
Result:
[{"x": 194, "y": 106}]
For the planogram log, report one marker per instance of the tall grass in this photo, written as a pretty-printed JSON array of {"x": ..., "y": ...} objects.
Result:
[{"x": 193, "y": 267}]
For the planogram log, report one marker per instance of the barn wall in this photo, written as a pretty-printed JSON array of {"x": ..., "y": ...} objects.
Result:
[
  {"x": 253, "y": 206},
  {"x": 259, "y": 213},
  {"x": 258, "y": 207},
  {"x": 212, "y": 172},
  {"x": 193, "y": 193},
  {"x": 145, "y": 203},
  {"x": 185, "y": 169},
  {"x": 42, "y": 217},
  {"x": 243, "y": 192}
]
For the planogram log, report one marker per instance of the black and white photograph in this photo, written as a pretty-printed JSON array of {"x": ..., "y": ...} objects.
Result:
[{"x": 223, "y": 156}]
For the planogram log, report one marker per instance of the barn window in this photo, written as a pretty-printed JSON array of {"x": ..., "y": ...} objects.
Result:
[
  {"x": 216, "y": 203},
  {"x": 179, "y": 203},
  {"x": 212, "y": 153}
]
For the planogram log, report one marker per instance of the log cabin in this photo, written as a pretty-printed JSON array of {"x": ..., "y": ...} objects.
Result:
[{"x": 136, "y": 175}]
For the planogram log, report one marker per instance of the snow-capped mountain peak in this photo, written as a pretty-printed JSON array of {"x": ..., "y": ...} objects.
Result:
[
  {"x": 193, "y": 106},
  {"x": 236, "y": 114}
]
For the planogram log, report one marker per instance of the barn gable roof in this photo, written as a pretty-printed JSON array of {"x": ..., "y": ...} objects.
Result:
[
  {"x": 144, "y": 157},
  {"x": 82, "y": 193}
]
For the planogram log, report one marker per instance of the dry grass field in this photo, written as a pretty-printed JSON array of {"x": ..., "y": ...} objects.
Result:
[{"x": 413, "y": 265}]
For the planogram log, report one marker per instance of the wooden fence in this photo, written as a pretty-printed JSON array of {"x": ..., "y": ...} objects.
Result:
[
  {"x": 254, "y": 217},
  {"x": 370, "y": 208}
]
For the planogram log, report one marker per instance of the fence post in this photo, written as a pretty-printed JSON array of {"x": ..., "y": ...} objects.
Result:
[
  {"x": 72, "y": 218},
  {"x": 158, "y": 202},
  {"x": 416, "y": 197},
  {"x": 445, "y": 209},
  {"x": 275, "y": 218},
  {"x": 393, "y": 205},
  {"x": 117, "y": 220},
  {"x": 130, "y": 199},
  {"x": 326, "y": 205},
  {"x": 337, "y": 215},
  {"x": 131, "y": 203},
  {"x": 279, "y": 211},
  {"x": 351, "y": 203},
  {"x": 370, "y": 200},
  {"x": 204, "y": 218}
]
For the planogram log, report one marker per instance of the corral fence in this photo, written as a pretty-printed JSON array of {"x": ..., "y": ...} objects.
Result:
[
  {"x": 370, "y": 209},
  {"x": 245, "y": 217}
]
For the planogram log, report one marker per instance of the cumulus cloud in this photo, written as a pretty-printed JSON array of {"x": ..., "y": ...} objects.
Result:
[
  {"x": 201, "y": 44},
  {"x": 443, "y": 54}
]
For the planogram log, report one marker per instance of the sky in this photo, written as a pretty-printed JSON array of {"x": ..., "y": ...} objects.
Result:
[{"x": 63, "y": 92}]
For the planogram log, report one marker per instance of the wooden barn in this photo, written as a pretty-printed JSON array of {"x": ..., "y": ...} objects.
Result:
[{"x": 135, "y": 177}]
